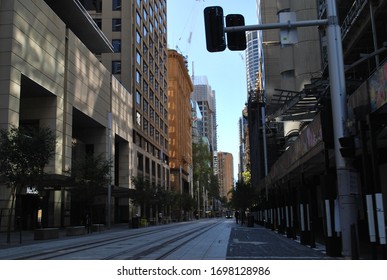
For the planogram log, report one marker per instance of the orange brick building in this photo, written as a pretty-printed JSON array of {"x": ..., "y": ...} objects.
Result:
[{"x": 180, "y": 88}]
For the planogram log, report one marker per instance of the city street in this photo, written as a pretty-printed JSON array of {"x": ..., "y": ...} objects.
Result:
[{"x": 204, "y": 239}]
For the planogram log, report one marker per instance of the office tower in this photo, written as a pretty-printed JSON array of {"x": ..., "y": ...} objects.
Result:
[
  {"x": 253, "y": 59},
  {"x": 138, "y": 33},
  {"x": 205, "y": 98},
  {"x": 51, "y": 78}
]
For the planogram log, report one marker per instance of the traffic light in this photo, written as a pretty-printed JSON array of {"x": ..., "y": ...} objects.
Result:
[
  {"x": 236, "y": 41},
  {"x": 348, "y": 147},
  {"x": 214, "y": 26}
]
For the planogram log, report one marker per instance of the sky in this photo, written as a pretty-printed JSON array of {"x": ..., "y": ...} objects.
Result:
[{"x": 225, "y": 71}]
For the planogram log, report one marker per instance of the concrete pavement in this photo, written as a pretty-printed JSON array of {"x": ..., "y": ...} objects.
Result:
[{"x": 241, "y": 242}]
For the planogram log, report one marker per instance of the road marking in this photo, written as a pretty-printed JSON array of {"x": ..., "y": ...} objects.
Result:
[{"x": 236, "y": 240}]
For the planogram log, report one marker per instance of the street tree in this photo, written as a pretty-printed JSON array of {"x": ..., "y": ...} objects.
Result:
[
  {"x": 24, "y": 152},
  {"x": 144, "y": 194},
  {"x": 202, "y": 167},
  {"x": 243, "y": 196},
  {"x": 90, "y": 176}
]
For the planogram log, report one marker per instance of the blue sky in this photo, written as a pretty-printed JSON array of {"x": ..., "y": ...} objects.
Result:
[{"x": 226, "y": 71}]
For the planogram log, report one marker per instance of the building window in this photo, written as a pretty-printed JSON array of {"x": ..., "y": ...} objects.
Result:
[
  {"x": 95, "y": 5},
  {"x": 152, "y": 114},
  {"x": 157, "y": 120},
  {"x": 138, "y": 98},
  {"x": 145, "y": 126},
  {"x": 138, "y": 19},
  {"x": 157, "y": 136},
  {"x": 138, "y": 58},
  {"x": 116, "y": 45},
  {"x": 116, "y": 5},
  {"x": 116, "y": 24},
  {"x": 147, "y": 167},
  {"x": 145, "y": 69},
  {"x": 138, "y": 37},
  {"x": 157, "y": 103},
  {"x": 98, "y": 22},
  {"x": 145, "y": 88},
  {"x": 151, "y": 79},
  {"x": 152, "y": 131},
  {"x": 138, "y": 119},
  {"x": 140, "y": 162},
  {"x": 138, "y": 77},
  {"x": 151, "y": 95},
  {"x": 151, "y": 27},
  {"x": 145, "y": 14},
  {"x": 145, "y": 31},
  {"x": 116, "y": 67},
  {"x": 145, "y": 107}
]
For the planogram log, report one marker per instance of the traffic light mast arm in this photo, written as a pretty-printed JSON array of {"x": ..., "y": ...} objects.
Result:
[{"x": 278, "y": 25}]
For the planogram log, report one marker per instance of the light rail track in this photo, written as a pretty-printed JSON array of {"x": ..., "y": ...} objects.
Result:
[{"x": 148, "y": 243}]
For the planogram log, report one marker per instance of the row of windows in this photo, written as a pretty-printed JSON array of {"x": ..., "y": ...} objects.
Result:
[
  {"x": 149, "y": 148},
  {"x": 150, "y": 166},
  {"x": 158, "y": 106},
  {"x": 151, "y": 73},
  {"x": 96, "y": 5},
  {"x": 153, "y": 117},
  {"x": 152, "y": 131}
]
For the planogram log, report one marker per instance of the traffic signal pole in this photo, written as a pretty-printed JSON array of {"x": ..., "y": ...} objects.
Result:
[{"x": 346, "y": 189}]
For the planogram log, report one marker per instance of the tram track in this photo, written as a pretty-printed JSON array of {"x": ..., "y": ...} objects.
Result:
[
  {"x": 83, "y": 244},
  {"x": 183, "y": 238},
  {"x": 136, "y": 248}
]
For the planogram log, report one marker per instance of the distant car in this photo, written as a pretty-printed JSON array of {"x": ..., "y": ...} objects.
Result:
[{"x": 228, "y": 214}]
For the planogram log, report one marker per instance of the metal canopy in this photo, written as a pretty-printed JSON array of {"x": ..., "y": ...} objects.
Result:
[
  {"x": 75, "y": 16},
  {"x": 298, "y": 105}
]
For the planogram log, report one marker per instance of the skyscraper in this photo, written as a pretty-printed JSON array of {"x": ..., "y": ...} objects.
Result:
[
  {"x": 205, "y": 98},
  {"x": 138, "y": 33},
  {"x": 253, "y": 59}
]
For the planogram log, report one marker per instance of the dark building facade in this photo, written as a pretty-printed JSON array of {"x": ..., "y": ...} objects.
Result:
[{"x": 300, "y": 196}]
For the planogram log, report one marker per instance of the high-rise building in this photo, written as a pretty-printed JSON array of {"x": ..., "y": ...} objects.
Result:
[
  {"x": 180, "y": 123},
  {"x": 225, "y": 174},
  {"x": 197, "y": 122},
  {"x": 51, "y": 78},
  {"x": 138, "y": 32},
  {"x": 244, "y": 158},
  {"x": 205, "y": 98},
  {"x": 253, "y": 60}
]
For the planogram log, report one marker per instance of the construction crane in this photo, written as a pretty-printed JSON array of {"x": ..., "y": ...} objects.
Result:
[{"x": 190, "y": 24}]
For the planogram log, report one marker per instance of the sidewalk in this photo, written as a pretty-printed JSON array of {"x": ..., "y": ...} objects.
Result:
[
  {"x": 258, "y": 242},
  {"x": 26, "y": 237}
]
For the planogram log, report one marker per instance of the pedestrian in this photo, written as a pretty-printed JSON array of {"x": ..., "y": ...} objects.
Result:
[
  {"x": 237, "y": 216},
  {"x": 196, "y": 214},
  {"x": 243, "y": 217}
]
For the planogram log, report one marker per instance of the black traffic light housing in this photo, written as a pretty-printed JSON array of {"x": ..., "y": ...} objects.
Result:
[
  {"x": 348, "y": 147},
  {"x": 236, "y": 41},
  {"x": 214, "y": 26},
  {"x": 215, "y": 31}
]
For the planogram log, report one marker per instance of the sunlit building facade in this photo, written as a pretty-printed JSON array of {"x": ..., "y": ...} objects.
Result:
[
  {"x": 138, "y": 32},
  {"x": 225, "y": 174},
  {"x": 180, "y": 123},
  {"x": 205, "y": 98},
  {"x": 52, "y": 78}
]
